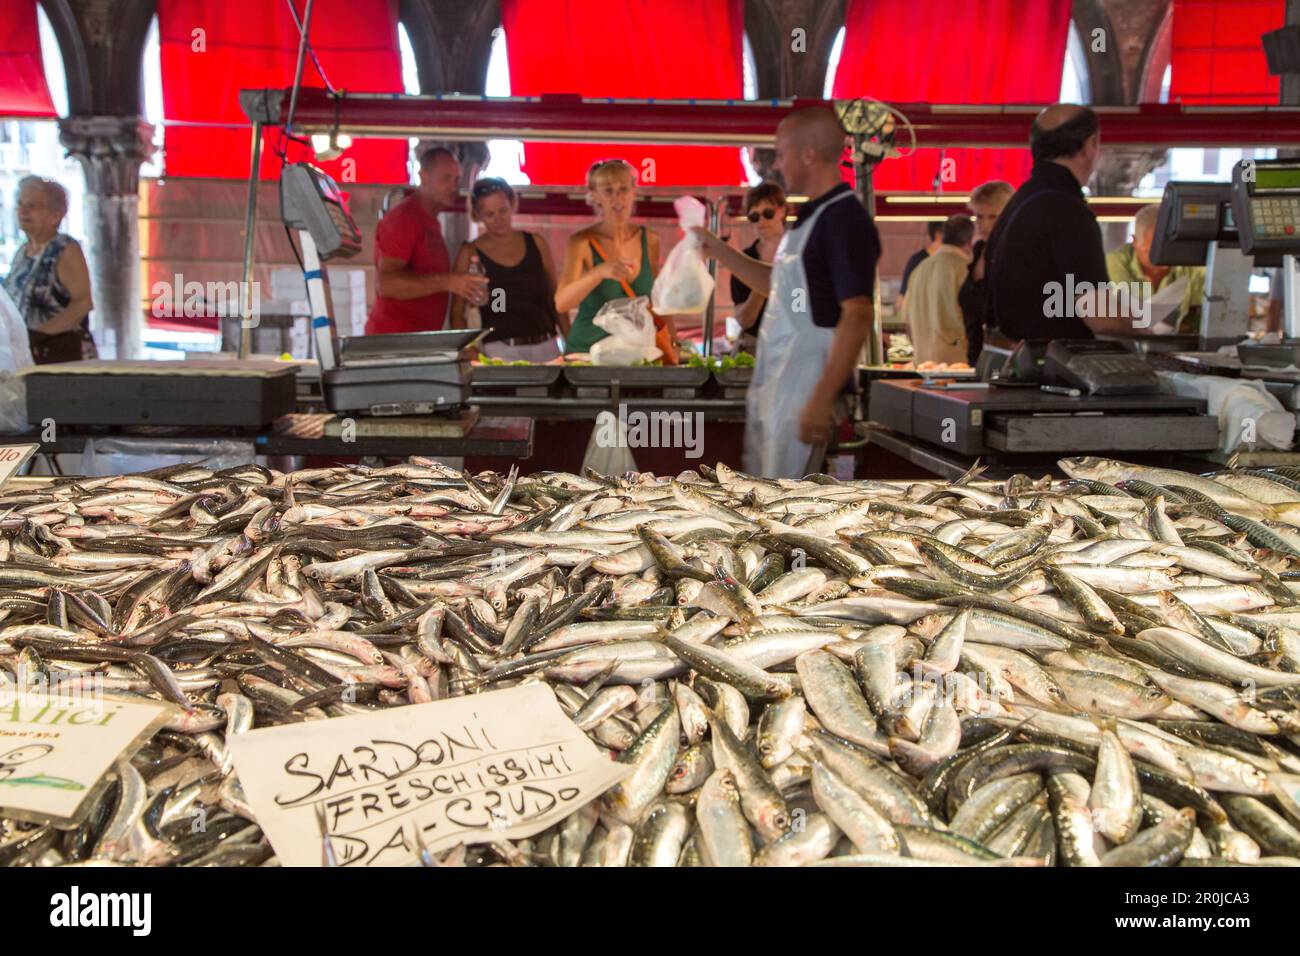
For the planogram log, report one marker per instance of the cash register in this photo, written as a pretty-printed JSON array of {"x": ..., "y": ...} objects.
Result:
[
  {"x": 415, "y": 374},
  {"x": 1234, "y": 229},
  {"x": 1266, "y": 205}
]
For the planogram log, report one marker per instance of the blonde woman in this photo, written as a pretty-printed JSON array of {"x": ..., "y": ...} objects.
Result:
[
  {"x": 610, "y": 259},
  {"x": 986, "y": 204}
]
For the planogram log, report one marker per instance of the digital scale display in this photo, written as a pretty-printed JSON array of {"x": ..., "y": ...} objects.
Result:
[
  {"x": 1276, "y": 177},
  {"x": 1266, "y": 204}
]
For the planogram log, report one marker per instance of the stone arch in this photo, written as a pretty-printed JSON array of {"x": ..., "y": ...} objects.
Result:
[
  {"x": 1105, "y": 69},
  {"x": 451, "y": 41},
  {"x": 76, "y": 63}
]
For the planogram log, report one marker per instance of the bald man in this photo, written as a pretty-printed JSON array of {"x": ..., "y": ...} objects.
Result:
[
  {"x": 819, "y": 291},
  {"x": 1045, "y": 257}
]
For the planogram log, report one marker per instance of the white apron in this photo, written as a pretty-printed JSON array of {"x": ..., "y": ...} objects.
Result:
[{"x": 792, "y": 354}]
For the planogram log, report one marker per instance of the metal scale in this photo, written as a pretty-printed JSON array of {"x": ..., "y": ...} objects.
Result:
[
  {"x": 419, "y": 373},
  {"x": 1266, "y": 205},
  {"x": 1233, "y": 229}
]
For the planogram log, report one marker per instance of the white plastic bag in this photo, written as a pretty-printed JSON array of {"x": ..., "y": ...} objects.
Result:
[
  {"x": 684, "y": 286},
  {"x": 15, "y": 355},
  {"x": 606, "y": 457},
  {"x": 1249, "y": 415},
  {"x": 631, "y": 330}
]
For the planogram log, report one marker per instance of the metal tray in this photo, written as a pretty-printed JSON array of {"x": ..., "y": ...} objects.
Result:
[
  {"x": 396, "y": 390},
  {"x": 888, "y": 371},
  {"x": 406, "y": 343},
  {"x": 735, "y": 377},
  {"x": 508, "y": 376},
  {"x": 637, "y": 376}
]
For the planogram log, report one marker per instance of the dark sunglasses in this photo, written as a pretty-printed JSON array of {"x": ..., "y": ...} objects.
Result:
[{"x": 766, "y": 214}]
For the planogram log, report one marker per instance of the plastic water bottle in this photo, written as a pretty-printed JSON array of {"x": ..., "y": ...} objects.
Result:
[{"x": 473, "y": 316}]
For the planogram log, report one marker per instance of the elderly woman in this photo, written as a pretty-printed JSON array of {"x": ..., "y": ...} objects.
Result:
[
  {"x": 610, "y": 259},
  {"x": 986, "y": 203},
  {"x": 49, "y": 281},
  {"x": 765, "y": 207},
  {"x": 520, "y": 307}
]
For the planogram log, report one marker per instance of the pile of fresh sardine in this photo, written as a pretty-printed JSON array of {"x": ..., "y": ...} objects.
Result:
[{"x": 1101, "y": 671}]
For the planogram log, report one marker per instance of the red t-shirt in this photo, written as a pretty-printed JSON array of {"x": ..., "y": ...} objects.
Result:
[{"x": 409, "y": 232}]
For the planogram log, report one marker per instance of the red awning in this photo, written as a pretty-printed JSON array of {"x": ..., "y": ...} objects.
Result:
[
  {"x": 211, "y": 49},
  {"x": 572, "y": 118},
  {"x": 669, "y": 49},
  {"x": 953, "y": 51},
  {"x": 1217, "y": 55},
  {"x": 22, "y": 73}
]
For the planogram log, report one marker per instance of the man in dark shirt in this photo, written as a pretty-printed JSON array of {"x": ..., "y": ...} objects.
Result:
[
  {"x": 933, "y": 240},
  {"x": 1046, "y": 267},
  {"x": 820, "y": 307}
]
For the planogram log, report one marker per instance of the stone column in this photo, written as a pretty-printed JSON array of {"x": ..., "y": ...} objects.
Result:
[
  {"x": 110, "y": 150},
  {"x": 1118, "y": 174}
]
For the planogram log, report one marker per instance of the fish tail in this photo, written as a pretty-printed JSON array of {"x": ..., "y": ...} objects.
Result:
[
  {"x": 1105, "y": 723},
  {"x": 1288, "y": 512}
]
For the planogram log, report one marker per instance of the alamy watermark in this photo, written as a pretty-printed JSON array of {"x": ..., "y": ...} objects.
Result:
[
  {"x": 651, "y": 430},
  {"x": 78, "y": 693},
  {"x": 77, "y": 909},
  {"x": 1098, "y": 300},
  {"x": 207, "y": 300}
]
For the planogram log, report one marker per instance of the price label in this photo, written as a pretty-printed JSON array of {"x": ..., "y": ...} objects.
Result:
[
  {"x": 12, "y": 458},
  {"x": 374, "y": 787}
]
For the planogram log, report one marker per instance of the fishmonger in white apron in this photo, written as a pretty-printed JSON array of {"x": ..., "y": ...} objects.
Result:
[{"x": 792, "y": 352}]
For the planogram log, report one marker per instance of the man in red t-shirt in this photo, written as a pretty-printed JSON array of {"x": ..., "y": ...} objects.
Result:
[{"x": 414, "y": 274}]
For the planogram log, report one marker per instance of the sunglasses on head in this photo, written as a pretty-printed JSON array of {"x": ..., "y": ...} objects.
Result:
[{"x": 766, "y": 214}]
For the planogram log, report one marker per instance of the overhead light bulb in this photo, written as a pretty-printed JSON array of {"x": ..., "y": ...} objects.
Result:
[
  {"x": 329, "y": 147},
  {"x": 343, "y": 140}
]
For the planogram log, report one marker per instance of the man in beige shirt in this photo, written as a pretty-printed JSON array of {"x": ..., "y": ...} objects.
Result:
[{"x": 932, "y": 312}]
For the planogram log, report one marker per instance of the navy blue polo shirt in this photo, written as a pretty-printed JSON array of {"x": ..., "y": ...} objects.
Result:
[{"x": 840, "y": 256}]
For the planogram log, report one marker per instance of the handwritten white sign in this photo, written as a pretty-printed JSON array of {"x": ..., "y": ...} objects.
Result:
[
  {"x": 54, "y": 747},
  {"x": 500, "y": 765},
  {"x": 13, "y": 457}
]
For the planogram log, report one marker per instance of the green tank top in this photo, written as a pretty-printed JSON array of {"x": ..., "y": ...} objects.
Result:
[{"x": 584, "y": 333}]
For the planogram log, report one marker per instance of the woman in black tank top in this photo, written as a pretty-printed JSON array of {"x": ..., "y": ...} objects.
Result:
[{"x": 520, "y": 310}]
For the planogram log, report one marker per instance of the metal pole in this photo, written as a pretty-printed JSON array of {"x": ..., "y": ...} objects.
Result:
[
  {"x": 1290, "y": 302},
  {"x": 297, "y": 70},
  {"x": 322, "y": 315},
  {"x": 1291, "y": 81},
  {"x": 875, "y": 344},
  {"x": 715, "y": 223},
  {"x": 250, "y": 226}
]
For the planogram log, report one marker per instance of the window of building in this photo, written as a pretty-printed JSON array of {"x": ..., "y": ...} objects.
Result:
[
  {"x": 505, "y": 156},
  {"x": 1076, "y": 84},
  {"x": 833, "y": 64},
  {"x": 749, "y": 84}
]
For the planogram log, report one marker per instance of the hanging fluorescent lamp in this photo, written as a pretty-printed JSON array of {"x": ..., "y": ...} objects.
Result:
[{"x": 330, "y": 146}]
